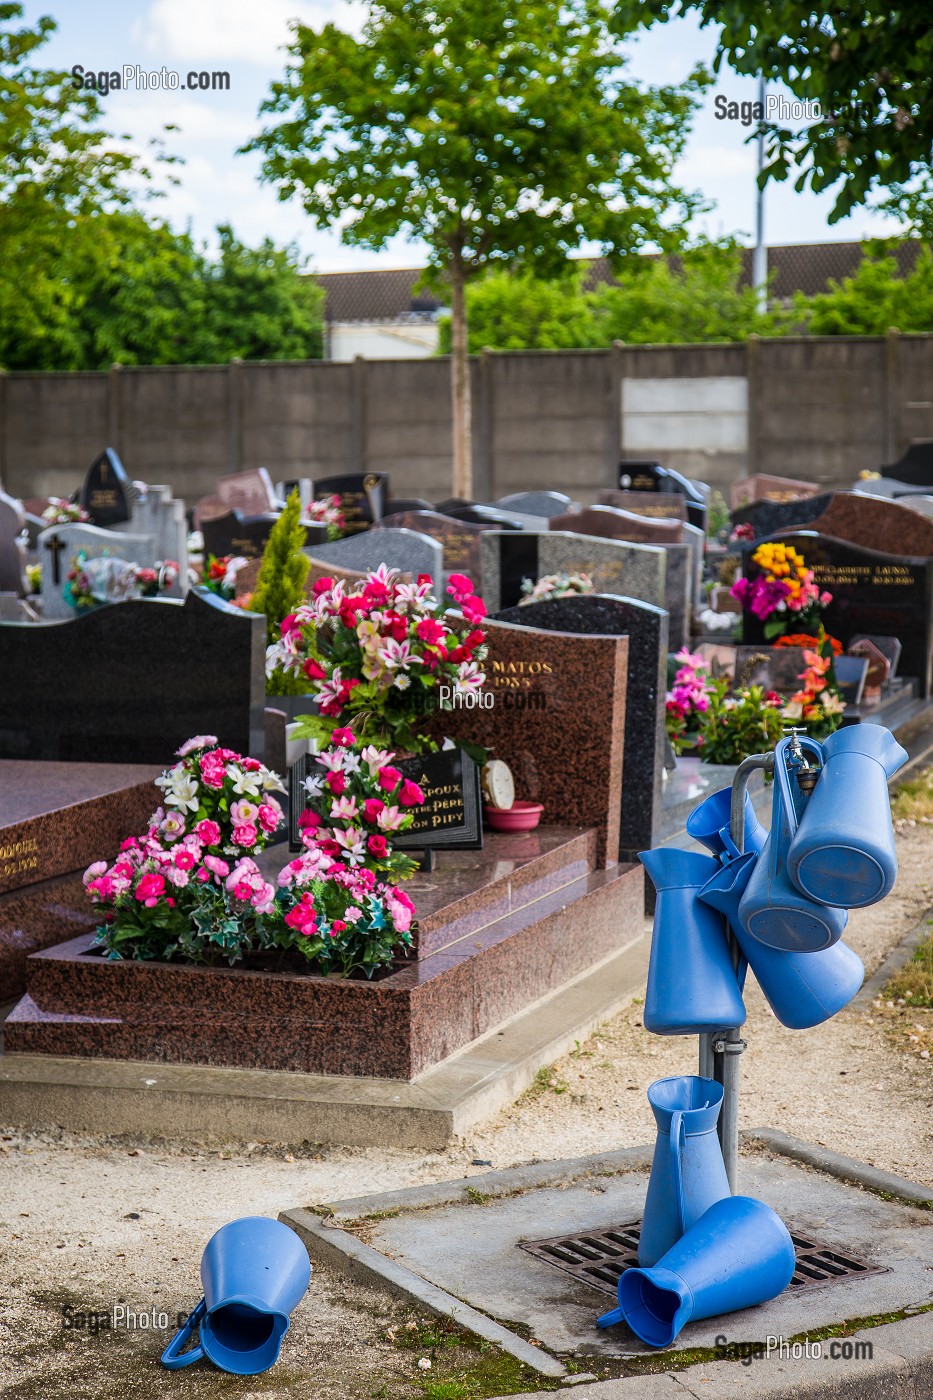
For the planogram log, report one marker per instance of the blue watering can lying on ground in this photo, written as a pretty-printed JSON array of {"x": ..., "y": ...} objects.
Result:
[
  {"x": 842, "y": 852},
  {"x": 255, "y": 1272},
  {"x": 802, "y": 989},
  {"x": 693, "y": 987},
  {"x": 687, "y": 1173},
  {"x": 773, "y": 911},
  {"x": 739, "y": 1253}
]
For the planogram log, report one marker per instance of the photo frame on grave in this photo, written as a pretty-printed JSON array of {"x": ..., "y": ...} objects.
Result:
[{"x": 449, "y": 775}]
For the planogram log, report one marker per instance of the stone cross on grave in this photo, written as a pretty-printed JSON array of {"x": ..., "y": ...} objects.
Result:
[{"x": 55, "y": 545}]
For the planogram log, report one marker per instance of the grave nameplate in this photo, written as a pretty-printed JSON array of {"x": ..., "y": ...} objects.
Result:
[
  {"x": 362, "y": 497},
  {"x": 105, "y": 494},
  {"x": 871, "y": 592},
  {"x": 654, "y": 505}
]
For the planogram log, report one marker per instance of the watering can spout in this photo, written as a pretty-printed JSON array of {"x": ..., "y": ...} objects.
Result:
[
  {"x": 869, "y": 740},
  {"x": 672, "y": 869}
]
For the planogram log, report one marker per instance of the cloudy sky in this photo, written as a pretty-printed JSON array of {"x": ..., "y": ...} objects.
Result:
[{"x": 245, "y": 37}]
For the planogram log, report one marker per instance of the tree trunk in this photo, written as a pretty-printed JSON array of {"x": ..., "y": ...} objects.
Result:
[{"x": 460, "y": 386}]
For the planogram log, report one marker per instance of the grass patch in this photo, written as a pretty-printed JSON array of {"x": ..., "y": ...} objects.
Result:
[
  {"x": 914, "y": 981},
  {"x": 546, "y": 1081},
  {"x": 463, "y": 1367},
  {"x": 913, "y": 800}
]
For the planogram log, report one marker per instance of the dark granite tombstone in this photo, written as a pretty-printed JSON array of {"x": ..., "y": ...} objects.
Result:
[
  {"x": 362, "y": 495},
  {"x": 459, "y": 539},
  {"x": 646, "y": 628},
  {"x": 915, "y": 466},
  {"x": 105, "y": 493},
  {"x": 12, "y": 552},
  {"x": 871, "y": 592},
  {"x": 869, "y": 521},
  {"x": 131, "y": 682},
  {"x": 655, "y": 505},
  {"x": 651, "y": 476},
  {"x": 484, "y": 515},
  {"x": 236, "y": 534},
  {"x": 396, "y": 504}
]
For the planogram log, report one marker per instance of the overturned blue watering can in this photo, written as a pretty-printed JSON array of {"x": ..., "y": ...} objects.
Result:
[
  {"x": 802, "y": 989},
  {"x": 843, "y": 850},
  {"x": 254, "y": 1272},
  {"x": 772, "y": 910},
  {"x": 709, "y": 824},
  {"x": 687, "y": 1173},
  {"x": 738, "y": 1254},
  {"x": 692, "y": 983}
]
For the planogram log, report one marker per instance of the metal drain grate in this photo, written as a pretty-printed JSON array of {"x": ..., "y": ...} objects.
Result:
[{"x": 598, "y": 1257}]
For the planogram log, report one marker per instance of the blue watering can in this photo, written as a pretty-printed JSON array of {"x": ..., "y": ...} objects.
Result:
[
  {"x": 802, "y": 989},
  {"x": 772, "y": 910},
  {"x": 692, "y": 983},
  {"x": 687, "y": 1173},
  {"x": 710, "y": 822},
  {"x": 254, "y": 1271},
  {"x": 737, "y": 1255},
  {"x": 843, "y": 851}
]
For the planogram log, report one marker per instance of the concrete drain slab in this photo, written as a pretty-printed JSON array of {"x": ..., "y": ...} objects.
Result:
[{"x": 469, "y": 1246}]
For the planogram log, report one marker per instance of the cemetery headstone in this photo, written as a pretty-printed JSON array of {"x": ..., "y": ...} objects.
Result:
[
  {"x": 174, "y": 668},
  {"x": 889, "y": 647},
  {"x": 105, "y": 493},
  {"x": 459, "y": 539},
  {"x": 12, "y": 546},
  {"x": 879, "y": 667},
  {"x": 869, "y": 521},
  {"x": 558, "y": 721},
  {"x": 395, "y": 505},
  {"x": 301, "y": 484},
  {"x": 762, "y": 487},
  {"x": 656, "y": 505},
  {"x": 155, "y": 512},
  {"x": 233, "y": 534},
  {"x": 888, "y": 487},
  {"x": 915, "y": 466},
  {"x": 851, "y": 672},
  {"x": 485, "y": 515},
  {"x": 681, "y": 581},
  {"x": 651, "y": 476},
  {"x": 546, "y": 503},
  {"x": 615, "y": 566},
  {"x": 768, "y": 517},
  {"x": 251, "y": 493},
  {"x": 773, "y": 668},
  {"x": 646, "y": 629},
  {"x": 872, "y": 592},
  {"x": 362, "y": 497},
  {"x": 60, "y": 545},
  {"x": 408, "y": 550}
]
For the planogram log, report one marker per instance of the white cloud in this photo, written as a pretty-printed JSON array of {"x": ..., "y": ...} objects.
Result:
[{"x": 247, "y": 31}]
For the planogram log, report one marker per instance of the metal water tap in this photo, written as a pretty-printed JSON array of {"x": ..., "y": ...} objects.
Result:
[{"x": 805, "y": 772}]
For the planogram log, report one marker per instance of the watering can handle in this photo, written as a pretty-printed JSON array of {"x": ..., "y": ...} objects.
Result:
[
  {"x": 783, "y": 796},
  {"x": 678, "y": 1131},
  {"x": 170, "y": 1356}
]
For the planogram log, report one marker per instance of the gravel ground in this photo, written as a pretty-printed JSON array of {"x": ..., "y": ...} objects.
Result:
[{"x": 87, "y": 1225}]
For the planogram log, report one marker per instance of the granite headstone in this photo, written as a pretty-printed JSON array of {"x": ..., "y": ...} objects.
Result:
[
  {"x": 646, "y": 628},
  {"x": 459, "y": 539},
  {"x": 408, "y": 550},
  {"x": 762, "y": 487},
  {"x": 155, "y": 512},
  {"x": 872, "y": 592},
  {"x": 615, "y": 566},
  {"x": 234, "y": 533},
  {"x": 105, "y": 494},
  {"x": 362, "y": 495},
  {"x": 655, "y": 505},
  {"x": 173, "y": 669},
  {"x": 12, "y": 546},
  {"x": 59, "y": 547},
  {"x": 546, "y": 503}
]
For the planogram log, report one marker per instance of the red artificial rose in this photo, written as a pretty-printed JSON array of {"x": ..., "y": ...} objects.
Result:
[
  {"x": 314, "y": 670},
  {"x": 377, "y": 846},
  {"x": 410, "y": 794},
  {"x": 322, "y": 585},
  {"x": 372, "y": 807},
  {"x": 388, "y": 778},
  {"x": 430, "y": 631},
  {"x": 344, "y": 738},
  {"x": 337, "y": 783}
]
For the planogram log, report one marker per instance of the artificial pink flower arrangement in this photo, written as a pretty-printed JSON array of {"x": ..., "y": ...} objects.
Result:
[
  {"x": 376, "y": 658},
  {"x": 189, "y": 888},
  {"x": 326, "y": 511}
]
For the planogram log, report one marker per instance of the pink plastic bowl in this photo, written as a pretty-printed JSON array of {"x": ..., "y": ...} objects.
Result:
[{"x": 521, "y": 816}]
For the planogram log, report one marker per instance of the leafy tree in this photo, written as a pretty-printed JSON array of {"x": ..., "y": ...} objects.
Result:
[
  {"x": 497, "y": 131},
  {"x": 696, "y": 297},
  {"x": 693, "y": 297},
  {"x": 259, "y": 306},
  {"x": 869, "y": 68},
  {"x": 280, "y": 587},
  {"x": 874, "y": 299},
  {"x": 518, "y": 311}
]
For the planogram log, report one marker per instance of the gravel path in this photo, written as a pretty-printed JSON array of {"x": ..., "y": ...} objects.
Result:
[{"x": 89, "y": 1224}]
